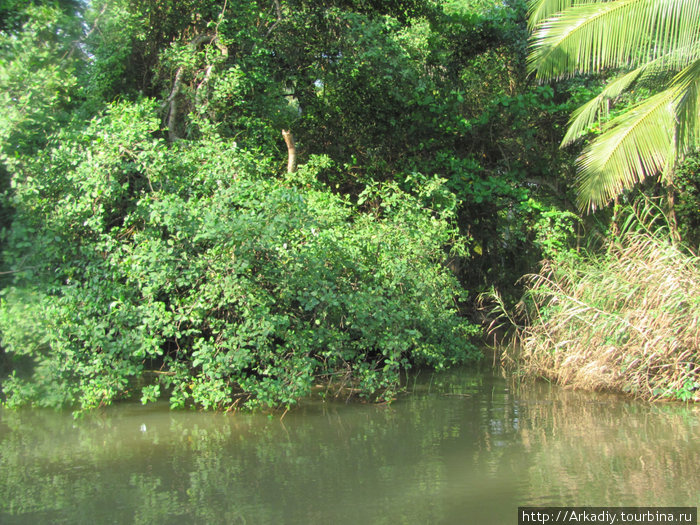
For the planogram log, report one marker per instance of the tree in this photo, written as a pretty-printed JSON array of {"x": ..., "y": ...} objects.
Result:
[
  {"x": 654, "y": 46},
  {"x": 38, "y": 68}
]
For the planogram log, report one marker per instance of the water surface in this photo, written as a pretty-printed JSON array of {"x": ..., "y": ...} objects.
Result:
[{"x": 464, "y": 447}]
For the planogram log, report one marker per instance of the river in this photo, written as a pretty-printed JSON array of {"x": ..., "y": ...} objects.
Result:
[{"x": 464, "y": 447}]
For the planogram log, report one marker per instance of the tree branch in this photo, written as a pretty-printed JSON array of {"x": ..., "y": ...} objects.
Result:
[
  {"x": 278, "y": 8},
  {"x": 291, "y": 151},
  {"x": 172, "y": 101},
  {"x": 77, "y": 43}
]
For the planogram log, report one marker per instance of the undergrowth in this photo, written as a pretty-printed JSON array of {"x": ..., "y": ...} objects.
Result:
[{"x": 622, "y": 320}]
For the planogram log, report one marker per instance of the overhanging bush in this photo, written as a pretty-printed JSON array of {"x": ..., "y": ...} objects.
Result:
[{"x": 238, "y": 289}]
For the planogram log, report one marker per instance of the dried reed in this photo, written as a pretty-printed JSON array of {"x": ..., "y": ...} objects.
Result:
[{"x": 626, "y": 320}]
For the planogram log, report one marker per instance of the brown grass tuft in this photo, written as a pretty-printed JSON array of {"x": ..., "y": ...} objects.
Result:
[{"x": 624, "y": 321}]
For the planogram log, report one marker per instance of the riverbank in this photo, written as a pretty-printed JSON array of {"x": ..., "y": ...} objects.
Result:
[{"x": 625, "y": 321}]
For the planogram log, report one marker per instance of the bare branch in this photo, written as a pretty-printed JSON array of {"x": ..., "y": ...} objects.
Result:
[
  {"x": 78, "y": 43},
  {"x": 291, "y": 151},
  {"x": 172, "y": 101},
  {"x": 278, "y": 8}
]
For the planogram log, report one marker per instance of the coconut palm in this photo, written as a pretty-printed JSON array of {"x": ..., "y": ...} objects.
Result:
[{"x": 653, "y": 44}]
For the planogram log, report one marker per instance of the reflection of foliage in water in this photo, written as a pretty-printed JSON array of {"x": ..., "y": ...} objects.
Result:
[
  {"x": 627, "y": 453},
  {"x": 461, "y": 443}
]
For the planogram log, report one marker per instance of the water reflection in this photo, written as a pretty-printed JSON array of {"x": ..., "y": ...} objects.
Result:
[{"x": 466, "y": 447}]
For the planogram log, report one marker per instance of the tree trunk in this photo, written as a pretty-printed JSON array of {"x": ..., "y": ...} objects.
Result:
[
  {"x": 291, "y": 151},
  {"x": 614, "y": 229},
  {"x": 671, "y": 202}
]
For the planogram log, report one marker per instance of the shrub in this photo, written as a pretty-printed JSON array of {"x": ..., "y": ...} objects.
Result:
[{"x": 233, "y": 287}]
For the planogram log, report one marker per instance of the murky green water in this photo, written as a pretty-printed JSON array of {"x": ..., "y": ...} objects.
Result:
[{"x": 465, "y": 448}]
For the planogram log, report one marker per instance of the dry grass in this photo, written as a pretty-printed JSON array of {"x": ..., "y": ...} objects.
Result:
[{"x": 627, "y": 320}]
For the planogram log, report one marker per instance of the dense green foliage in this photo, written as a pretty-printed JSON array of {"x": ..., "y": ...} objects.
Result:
[
  {"x": 153, "y": 244},
  {"x": 235, "y": 285},
  {"x": 153, "y": 238}
]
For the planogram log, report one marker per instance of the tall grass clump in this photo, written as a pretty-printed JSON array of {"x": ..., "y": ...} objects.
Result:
[{"x": 623, "y": 320}]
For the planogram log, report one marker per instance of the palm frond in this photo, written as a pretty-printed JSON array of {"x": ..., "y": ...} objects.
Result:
[
  {"x": 539, "y": 10},
  {"x": 585, "y": 116},
  {"x": 592, "y": 37},
  {"x": 687, "y": 107},
  {"x": 650, "y": 41},
  {"x": 638, "y": 144}
]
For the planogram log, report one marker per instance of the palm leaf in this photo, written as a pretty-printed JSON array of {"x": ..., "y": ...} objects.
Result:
[
  {"x": 592, "y": 37},
  {"x": 687, "y": 108},
  {"x": 539, "y": 10},
  {"x": 649, "y": 40},
  {"x": 585, "y": 116},
  {"x": 638, "y": 144}
]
